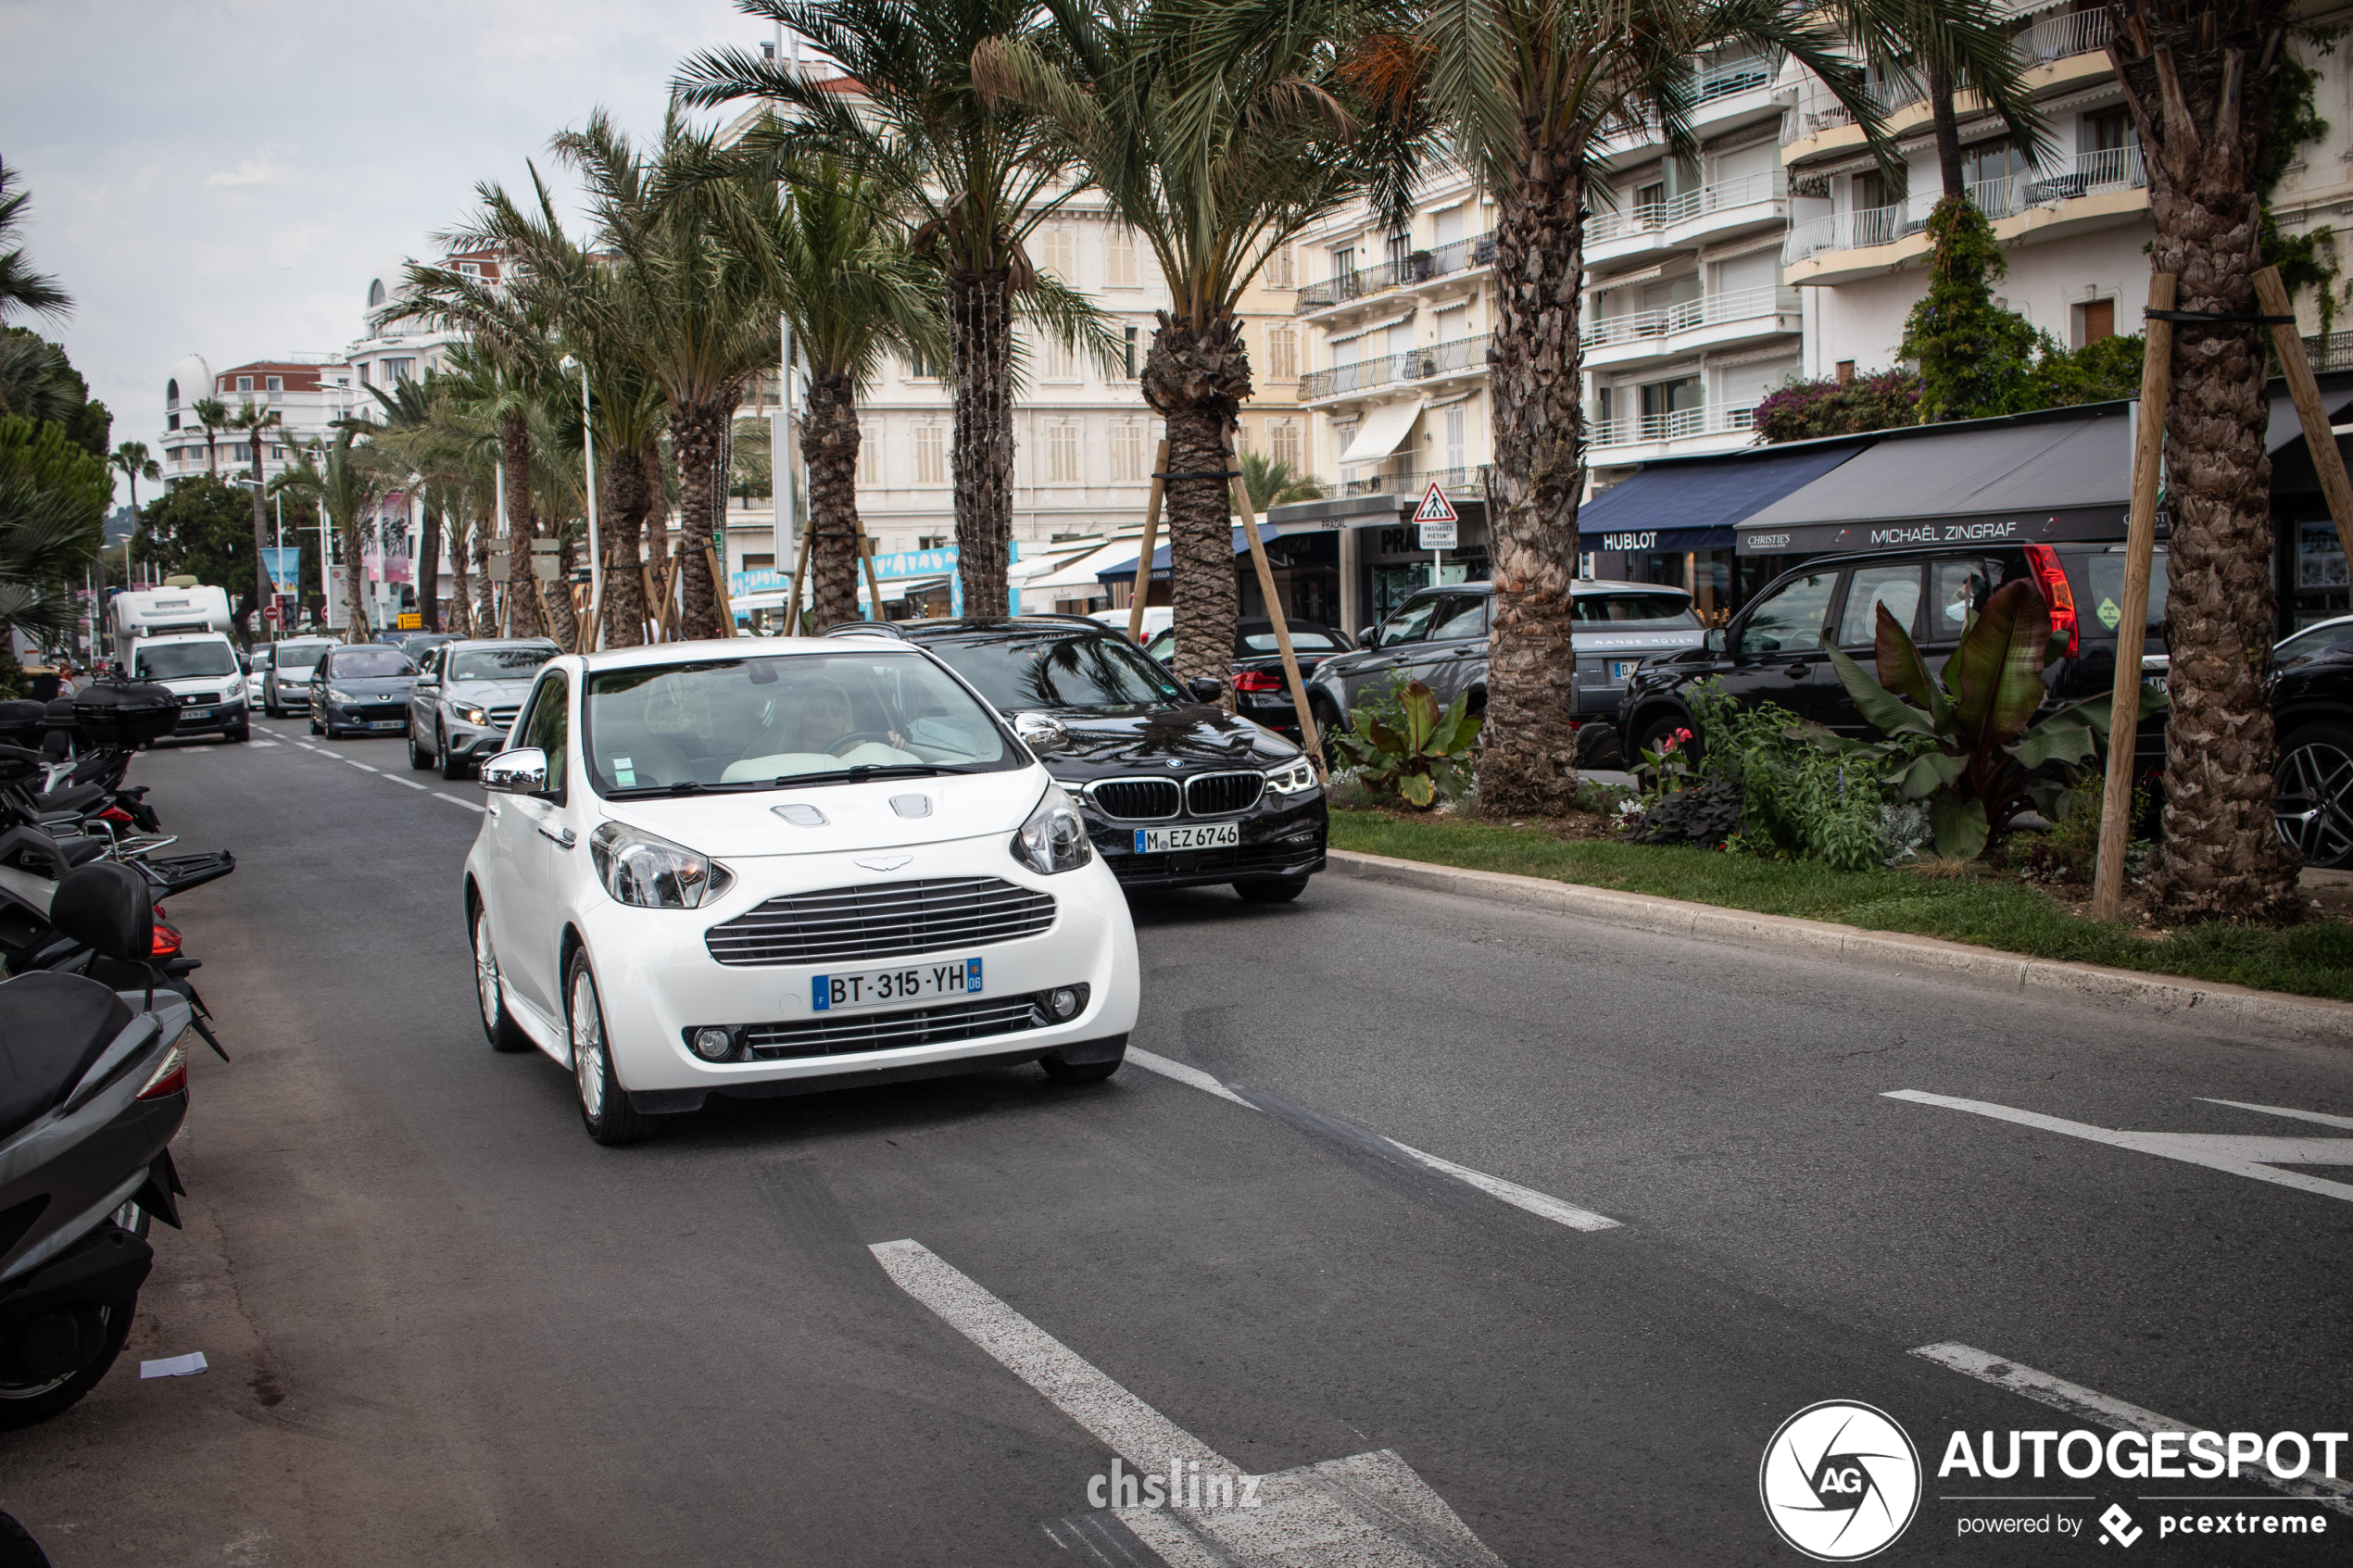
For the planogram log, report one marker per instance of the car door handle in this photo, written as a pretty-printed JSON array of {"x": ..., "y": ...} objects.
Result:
[
  {"x": 563, "y": 837},
  {"x": 1465, "y": 653},
  {"x": 1799, "y": 672}
]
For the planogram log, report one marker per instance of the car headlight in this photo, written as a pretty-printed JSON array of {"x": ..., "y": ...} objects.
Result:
[
  {"x": 651, "y": 872},
  {"x": 345, "y": 697},
  {"x": 470, "y": 714},
  {"x": 1291, "y": 778},
  {"x": 1054, "y": 839}
]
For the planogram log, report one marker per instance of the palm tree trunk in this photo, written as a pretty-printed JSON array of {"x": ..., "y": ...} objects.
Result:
[
  {"x": 695, "y": 437},
  {"x": 523, "y": 519},
  {"x": 629, "y": 491},
  {"x": 354, "y": 587},
  {"x": 829, "y": 440},
  {"x": 429, "y": 571},
  {"x": 1195, "y": 378},
  {"x": 981, "y": 325},
  {"x": 262, "y": 585},
  {"x": 1529, "y": 759},
  {"x": 1947, "y": 129},
  {"x": 485, "y": 604},
  {"x": 2204, "y": 126}
]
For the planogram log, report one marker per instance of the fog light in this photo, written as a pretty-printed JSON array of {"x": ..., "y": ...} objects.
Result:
[
  {"x": 714, "y": 1044},
  {"x": 1064, "y": 1002}
]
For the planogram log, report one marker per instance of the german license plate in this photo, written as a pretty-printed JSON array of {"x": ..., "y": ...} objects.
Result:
[
  {"x": 889, "y": 988},
  {"x": 386, "y": 724},
  {"x": 1210, "y": 835}
]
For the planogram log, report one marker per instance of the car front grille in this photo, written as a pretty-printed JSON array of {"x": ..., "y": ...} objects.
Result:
[
  {"x": 891, "y": 1031},
  {"x": 504, "y": 718},
  {"x": 1219, "y": 795},
  {"x": 1137, "y": 800},
  {"x": 881, "y": 921},
  {"x": 199, "y": 699},
  {"x": 1213, "y": 865}
]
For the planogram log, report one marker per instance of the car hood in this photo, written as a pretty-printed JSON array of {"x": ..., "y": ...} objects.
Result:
[
  {"x": 1177, "y": 741},
  {"x": 736, "y": 828},
  {"x": 490, "y": 694},
  {"x": 183, "y": 685},
  {"x": 373, "y": 685}
]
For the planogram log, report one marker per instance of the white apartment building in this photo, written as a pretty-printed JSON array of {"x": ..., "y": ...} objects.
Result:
[{"x": 307, "y": 392}]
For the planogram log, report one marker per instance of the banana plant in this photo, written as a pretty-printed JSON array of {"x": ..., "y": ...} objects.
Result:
[
  {"x": 1976, "y": 756},
  {"x": 1415, "y": 754}
]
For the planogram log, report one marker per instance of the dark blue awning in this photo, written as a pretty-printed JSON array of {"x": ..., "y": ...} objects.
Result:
[
  {"x": 1695, "y": 503},
  {"x": 1267, "y": 534}
]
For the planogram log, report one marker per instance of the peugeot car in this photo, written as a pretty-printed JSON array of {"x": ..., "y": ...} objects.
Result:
[
  {"x": 1174, "y": 790},
  {"x": 363, "y": 689}
]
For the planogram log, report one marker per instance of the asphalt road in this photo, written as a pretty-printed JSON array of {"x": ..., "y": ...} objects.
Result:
[{"x": 442, "y": 1327}]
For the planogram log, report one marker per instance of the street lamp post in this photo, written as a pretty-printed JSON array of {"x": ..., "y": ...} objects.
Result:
[{"x": 595, "y": 638}]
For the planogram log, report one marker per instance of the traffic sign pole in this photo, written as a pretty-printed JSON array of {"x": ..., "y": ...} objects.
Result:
[{"x": 1436, "y": 517}]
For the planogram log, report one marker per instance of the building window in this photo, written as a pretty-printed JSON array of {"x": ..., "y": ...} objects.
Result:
[
  {"x": 1399, "y": 246},
  {"x": 932, "y": 541},
  {"x": 1343, "y": 262},
  {"x": 919, "y": 368},
  {"x": 1458, "y": 437},
  {"x": 1845, "y": 373},
  {"x": 1127, "y": 350},
  {"x": 172, "y": 422},
  {"x": 363, "y": 374},
  {"x": 1283, "y": 445},
  {"x": 1282, "y": 353},
  {"x": 1061, "y": 363},
  {"x": 1127, "y": 452},
  {"x": 172, "y": 393},
  {"x": 869, "y": 455},
  {"x": 1121, "y": 273},
  {"x": 375, "y": 293},
  {"x": 1282, "y": 268},
  {"x": 273, "y": 383},
  {"x": 2096, "y": 318},
  {"x": 277, "y": 454},
  {"x": 474, "y": 270},
  {"x": 931, "y": 454},
  {"x": 759, "y": 563},
  {"x": 1060, "y": 251},
  {"x": 398, "y": 370},
  {"x": 245, "y": 383},
  {"x": 1062, "y": 453}
]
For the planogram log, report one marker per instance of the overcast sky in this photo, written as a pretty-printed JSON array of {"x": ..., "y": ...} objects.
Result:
[{"x": 222, "y": 176}]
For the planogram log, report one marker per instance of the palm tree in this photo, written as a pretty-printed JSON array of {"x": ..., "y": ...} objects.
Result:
[
  {"x": 36, "y": 379},
  {"x": 130, "y": 460},
  {"x": 213, "y": 415},
  {"x": 2202, "y": 83},
  {"x": 975, "y": 173},
  {"x": 1274, "y": 481},
  {"x": 852, "y": 291},
  {"x": 47, "y": 539},
  {"x": 339, "y": 477},
  {"x": 1528, "y": 91},
  {"x": 21, "y": 288},
  {"x": 254, "y": 421},
  {"x": 1218, "y": 135}
]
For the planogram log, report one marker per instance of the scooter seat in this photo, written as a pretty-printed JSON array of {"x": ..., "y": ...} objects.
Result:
[
  {"x": 52, "y": 1028},
  {"x": 69, "y": 797}
]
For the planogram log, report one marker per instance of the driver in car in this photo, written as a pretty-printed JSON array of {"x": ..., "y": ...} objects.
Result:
[{"x": 824, "y": 723}]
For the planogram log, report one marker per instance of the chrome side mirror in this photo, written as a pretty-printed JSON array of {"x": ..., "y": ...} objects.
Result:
[
  {"x": 1039, "y": 733},
  {"x": 520, "y": 771}
]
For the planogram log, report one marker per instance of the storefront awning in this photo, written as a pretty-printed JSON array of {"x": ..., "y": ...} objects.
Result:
[
  {"x": 2022, "y": 481},
  {"x": 1125, "y": 570},
  {"x": 1694, "y": 504},
  {"x": 1380, "y": 430}
]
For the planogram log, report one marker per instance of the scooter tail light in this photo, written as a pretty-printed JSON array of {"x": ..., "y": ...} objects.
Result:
[
  {"x": 2051, "y": 577},
  {"x": 171, "y": 1076}
]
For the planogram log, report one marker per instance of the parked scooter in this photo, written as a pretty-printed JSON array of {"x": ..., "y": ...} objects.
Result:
[{"x": 93, "y": 1083}]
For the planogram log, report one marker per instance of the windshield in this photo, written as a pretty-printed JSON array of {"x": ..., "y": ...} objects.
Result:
[
  {"x": 1668, "y": 609},
  {"x": 378, "y": 661},
  {"x": 497, "y": 664},
  {"x": 2098, "y": 582},
  {"x": 298, "y": 656},
  {"x": 798, "y": 719},
  {"x": 2313, "y": 641},
  {"x": 1023, "y": 672},
  {"x": 178, "y": 660},
  {"x": 1303, "y": 639}
]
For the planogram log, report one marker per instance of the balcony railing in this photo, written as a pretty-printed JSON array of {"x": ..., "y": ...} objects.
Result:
[
  {"x": 1820, "y": 111},
  {"x": 2085, "y": 174},
  {"x": 1637, "y": 429},
  {"x": 1637, "y": 326},
  {"x": 2331, "y": 351},
  {"x": 1466, "y": 481},
  {"x": 2054, "y": 38},
  {"x": 1419, "y": 268},
  {"x": 1415, "y": 364},
  {"x": 1747, "y": 191},
  {"x": 1727, "y": 77}
]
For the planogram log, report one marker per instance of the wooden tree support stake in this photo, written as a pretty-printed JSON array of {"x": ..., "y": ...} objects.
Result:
[
  {"x": 800, "y": 575},
  {"x": 1307, "y": 737},
  {"x": 2140, "y": 546},
  {"x": 866, "y": 558},
  {"x": 1151, "y": 543},
  {"x": 2270, "y": 295},
  {"x": 718, "y": 592}
]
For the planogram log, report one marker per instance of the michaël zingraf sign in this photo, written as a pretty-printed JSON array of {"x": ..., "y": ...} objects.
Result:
[{"x": 1909, "y": 533}]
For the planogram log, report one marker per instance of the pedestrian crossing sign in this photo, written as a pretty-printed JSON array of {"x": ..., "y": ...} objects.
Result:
[{"x": 1435, "y": 506}]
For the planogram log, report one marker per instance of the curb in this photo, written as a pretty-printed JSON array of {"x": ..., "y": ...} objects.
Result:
[{"x": 2305, "y": 1017}]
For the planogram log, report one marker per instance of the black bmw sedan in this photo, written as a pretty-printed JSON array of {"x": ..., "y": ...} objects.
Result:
[{"x": 1175, "y": 791}]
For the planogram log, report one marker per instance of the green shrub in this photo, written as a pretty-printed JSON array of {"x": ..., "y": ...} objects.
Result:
[{"x": 1416, "y": 757}]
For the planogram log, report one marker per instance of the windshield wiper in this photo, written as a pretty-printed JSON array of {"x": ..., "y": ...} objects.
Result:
[
  {"x": 643, "y": 791},
  {"x": 866, "y": 770}
]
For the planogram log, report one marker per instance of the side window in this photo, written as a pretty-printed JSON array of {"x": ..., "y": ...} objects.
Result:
[
  {"x": 1788, "y": 619},
  {"x": 1411, "y": 623},
  {"x": 1953, "y": 587},
  {"x": 1897, "y": 587},
  {"x": 549, "y": 727},
  {"x": 1464, "y": 616}
]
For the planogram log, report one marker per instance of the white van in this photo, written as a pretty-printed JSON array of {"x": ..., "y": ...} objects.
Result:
[{"x": 202, "y": 669}]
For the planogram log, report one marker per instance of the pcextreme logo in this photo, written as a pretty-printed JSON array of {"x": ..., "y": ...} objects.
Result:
[{"x": 1840, "y": 1481}]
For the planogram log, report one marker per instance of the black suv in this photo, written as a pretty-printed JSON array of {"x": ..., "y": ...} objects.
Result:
[
  {"x": 1175, "y": 791},
  {"x": 1772, "y": 649},
  {"x": 2312, "y": 702}
]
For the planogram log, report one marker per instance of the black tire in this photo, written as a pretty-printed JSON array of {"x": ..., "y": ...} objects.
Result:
[
  {"x": 1328, "y": 723},
  {"x": 452, "y": 767},
  {"x": 241, "y": 732},
  {"x": 501, "y": 1031},
  {"x": 28, "y": 1405},
  {"x": 605, "y": 1109},
  {"x": 18, "y": 1548},
  {"x": 1655, "y": 728},
  {"x": 270, "y": 709},
  {"x": 2314, "y": 807},
  {"x": 1061, "y": 1072},
  {"x": 1271, "y": 889},
  {"x": 317, "y": 728},
  {"x": 422, "y": 762}
]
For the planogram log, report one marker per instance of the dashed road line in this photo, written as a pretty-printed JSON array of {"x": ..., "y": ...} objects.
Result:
[
  {"x": 1543, "y": 1205},
  {"x": 2073, "y": 1399},
  {"x": 455, "y": 801},
  {"x": 362, "y": 766}
]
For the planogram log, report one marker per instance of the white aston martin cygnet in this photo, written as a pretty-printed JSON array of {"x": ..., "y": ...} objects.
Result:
[{"x": 761, "y": 867}]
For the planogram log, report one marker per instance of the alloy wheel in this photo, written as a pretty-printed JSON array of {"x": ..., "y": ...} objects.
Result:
[
  {"x": 485, "y": 970},
  {"x": 587, "y": 1045},
  {"x": 2314, "y": 807}
]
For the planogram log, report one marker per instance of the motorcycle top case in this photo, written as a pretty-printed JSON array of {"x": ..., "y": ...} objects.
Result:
[
  {"x": 125, "y": 712},
  {"x": 21, "y": 723}
]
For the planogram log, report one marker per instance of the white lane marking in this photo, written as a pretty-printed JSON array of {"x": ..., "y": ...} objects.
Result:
[
  {"x": 410, "y": 783},
  {"x": 361, "y": 766},
  {"x": 2323, "y": 1117},
  {"x": 1543, "y": 1205},
  {"x": 2252, "y": 1157},
  {"x": 306, "y": 746},
  {"x": 455, "y": 801},
  {"x": 1368, "y": 1509},
  {"x": 2116, "y": 1415},
  {"x": 261, "y": 744}
]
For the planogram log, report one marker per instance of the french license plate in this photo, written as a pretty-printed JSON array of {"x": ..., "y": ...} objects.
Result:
[
  {"x": 195, "y": 713},
  {"x": 1211, "y": 836},
  {"x": 887, "y": 987},
  {"x": 386, "y": 724},
  {"x": 1621, "y": 668}
]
